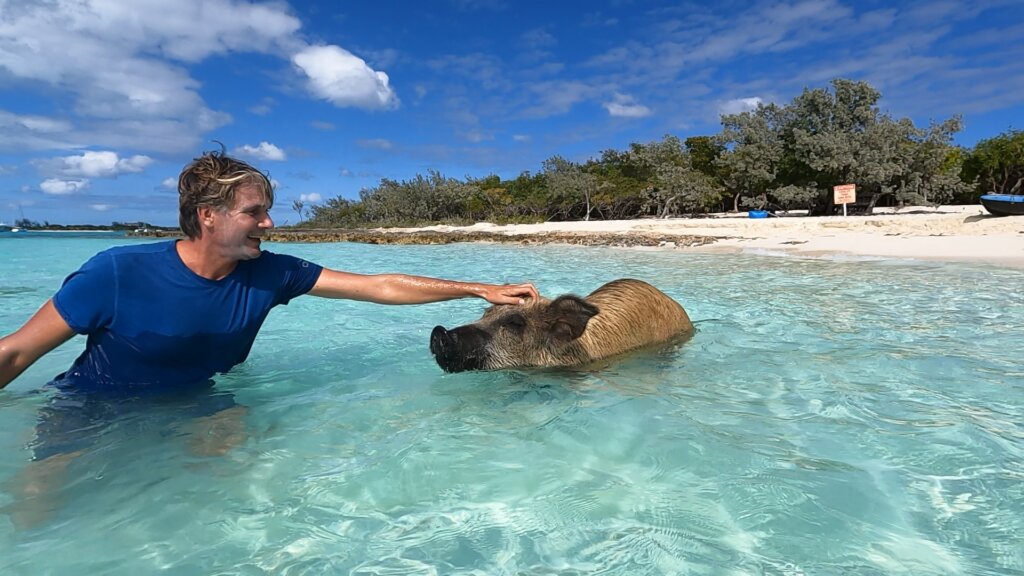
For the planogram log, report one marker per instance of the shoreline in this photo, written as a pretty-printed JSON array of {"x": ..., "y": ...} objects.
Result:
[{"x": 944, "y": 233}]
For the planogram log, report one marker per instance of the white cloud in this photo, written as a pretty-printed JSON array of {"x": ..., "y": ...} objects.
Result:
[
  {"x": 337, "y": 75},
  {"x": 477, "y": 136},
  {"x": 263, "y": 151},
  {"x": 170, "y": 183},
  {"x": 537, "y": 38},
  {"x": 124, "y": 68},
  {"x": 487, "y": 71},
  {"x": 265, "y": 106},
  {"x": 102, "y": 164},
  {"x": 102, "y": 207},
  {"x": 346, "y": 172},
  {"x": 321, "y": 125},
  {"x": 521, "y": 137},
  {"x": 311, "y": 197},
  {"x": 21, "y": 132},
  {"x": 116, "y": 61},
  {"x": 62, "y": 187},
  {"x": 555, "y": 97},
  {"x": 597, "y": 19},
  {"x": 739, "y": 105},
  {"x": 625, "y": 106},
  {"x": 39, "y": 123},
  {"x": 378, "y": 143}
]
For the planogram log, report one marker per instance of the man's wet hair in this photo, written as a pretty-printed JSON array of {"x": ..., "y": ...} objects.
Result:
[{"x": 211, "y": 180}]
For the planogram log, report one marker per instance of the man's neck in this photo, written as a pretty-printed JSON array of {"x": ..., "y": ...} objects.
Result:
[{"x": 200, "y": 257}]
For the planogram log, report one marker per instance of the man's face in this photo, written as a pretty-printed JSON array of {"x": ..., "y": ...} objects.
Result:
[{"x": 240, "y": 228}]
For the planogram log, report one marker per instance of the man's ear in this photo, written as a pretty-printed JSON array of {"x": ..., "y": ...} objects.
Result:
[
  {"x": 568, "y": 316},
  {"x": 205, "y": 214}
]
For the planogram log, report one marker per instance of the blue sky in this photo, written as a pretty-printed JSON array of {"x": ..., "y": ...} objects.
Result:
[{"x": 103, "y": 101}]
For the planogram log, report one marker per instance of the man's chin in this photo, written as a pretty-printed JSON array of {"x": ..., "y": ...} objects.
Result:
[{"x": 252, "y": 250}]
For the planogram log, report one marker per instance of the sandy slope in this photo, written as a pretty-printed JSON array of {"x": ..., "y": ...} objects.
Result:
[{"x": 960, "y": 233}]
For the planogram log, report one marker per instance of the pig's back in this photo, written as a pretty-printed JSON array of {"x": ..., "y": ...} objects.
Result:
[{"x": 632, "y": 314}]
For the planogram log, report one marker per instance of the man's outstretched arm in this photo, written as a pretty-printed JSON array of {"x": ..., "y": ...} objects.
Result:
[
  {"x": 42, "y": 333},
  {"x": 405, "y": 289}
]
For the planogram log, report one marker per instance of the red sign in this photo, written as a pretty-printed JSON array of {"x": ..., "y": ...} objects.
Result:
[{"x": 845, "y": 193}]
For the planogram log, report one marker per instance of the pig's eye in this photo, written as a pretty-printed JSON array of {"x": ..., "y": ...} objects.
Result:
[{"x": 515, "y": 322}]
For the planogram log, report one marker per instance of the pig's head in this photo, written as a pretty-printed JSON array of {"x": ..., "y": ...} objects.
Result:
[{"x": 539, "y": 333}]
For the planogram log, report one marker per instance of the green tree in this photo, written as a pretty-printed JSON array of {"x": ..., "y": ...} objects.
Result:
[
  {"x": 674, "y": 186},
  {"x": 705, "y": 151},
  {"x": 623, "y": 184},
  {"x": 568, "y": 184},
  {"x": 825, "y": 131},
  {"x": 528, "y": 197},
  {"x": 996, "y": 165},
  {"x": 754, "y": 154},
  {"x": 337, "y": 213}
]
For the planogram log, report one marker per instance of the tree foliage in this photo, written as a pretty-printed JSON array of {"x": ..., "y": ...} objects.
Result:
[
  {"x": 996, "y": 165},
  {"x": 774, "y": 156}
]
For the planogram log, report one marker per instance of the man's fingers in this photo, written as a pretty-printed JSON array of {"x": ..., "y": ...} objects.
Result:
[
  {"x": 528, "y": 290},
  {"x": 513, "y": 294}
]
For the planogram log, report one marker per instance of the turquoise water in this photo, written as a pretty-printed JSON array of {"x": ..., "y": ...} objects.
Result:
[{"x": 830, "y": 417}]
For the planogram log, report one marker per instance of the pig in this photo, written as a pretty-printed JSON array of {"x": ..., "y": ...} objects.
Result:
[{"x": 568, "y": 331}]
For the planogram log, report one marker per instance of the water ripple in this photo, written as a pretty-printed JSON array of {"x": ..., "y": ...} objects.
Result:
[{"x": 833, "y": 418}]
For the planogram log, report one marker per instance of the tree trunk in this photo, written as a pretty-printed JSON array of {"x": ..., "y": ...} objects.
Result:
[{"x": 871, "y": 205}]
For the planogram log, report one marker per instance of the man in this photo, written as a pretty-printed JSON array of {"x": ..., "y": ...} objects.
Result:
[
  {"x": 163, "y": 318},
  {"x": 176, "y": 313}
]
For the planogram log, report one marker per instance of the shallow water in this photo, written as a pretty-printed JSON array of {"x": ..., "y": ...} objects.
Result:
[{"x": 829, "y": 417}]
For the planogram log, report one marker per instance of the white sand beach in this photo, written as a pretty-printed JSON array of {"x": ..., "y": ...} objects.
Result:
[{"x": 949, "y": 233}]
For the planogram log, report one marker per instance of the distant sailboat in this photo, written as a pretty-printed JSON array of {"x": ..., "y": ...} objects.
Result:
[{"x": 21, "y": 211}]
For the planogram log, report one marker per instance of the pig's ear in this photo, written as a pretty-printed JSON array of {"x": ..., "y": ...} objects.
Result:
[{"x": 568, "y": 317}]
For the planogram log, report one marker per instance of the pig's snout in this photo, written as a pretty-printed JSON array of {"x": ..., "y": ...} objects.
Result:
[
  {"x": 440, "y": 340},
  {"x": 459, "y": 349}
]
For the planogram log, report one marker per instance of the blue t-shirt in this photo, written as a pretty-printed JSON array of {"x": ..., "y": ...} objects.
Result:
[{"x": 150, "y": 320}]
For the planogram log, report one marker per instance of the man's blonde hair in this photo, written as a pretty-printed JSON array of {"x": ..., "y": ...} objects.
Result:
[{"x": 211, "y": 180}]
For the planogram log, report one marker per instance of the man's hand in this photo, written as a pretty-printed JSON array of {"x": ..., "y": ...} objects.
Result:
[{"x": 510, "y": 293}]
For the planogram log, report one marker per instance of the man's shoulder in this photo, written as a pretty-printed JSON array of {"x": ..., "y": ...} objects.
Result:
[
  {"x": 129, "y": 254},
  {"x": 268, "y": 258},
  {"x": 141, "y": 249},
  {"x": 280, "y": 265}
]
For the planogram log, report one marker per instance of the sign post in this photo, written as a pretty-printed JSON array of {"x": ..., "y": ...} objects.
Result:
[{"x": 844, "y": 194}]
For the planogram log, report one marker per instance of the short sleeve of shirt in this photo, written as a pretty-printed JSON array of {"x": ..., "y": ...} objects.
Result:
[
  {"x": 86, "y": 300},
  {"x": 297, "y": 275}
]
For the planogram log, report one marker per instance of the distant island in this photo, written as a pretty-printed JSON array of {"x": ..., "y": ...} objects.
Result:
[{"x": 26, "y": 224}]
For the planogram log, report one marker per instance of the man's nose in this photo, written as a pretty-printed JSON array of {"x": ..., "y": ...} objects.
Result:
[{"x": 268, "y": 222}]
